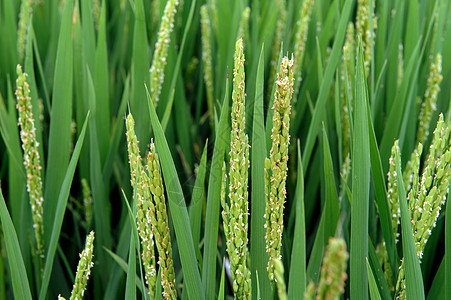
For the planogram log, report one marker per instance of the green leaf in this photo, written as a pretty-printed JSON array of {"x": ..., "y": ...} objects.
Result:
[
  {"x": 103, "y": 116},
  {"x": 60, "y": 210},
  {"x": 101, "y": 205},
  {"x": 414, "y": 279},
  {"x": 439, "y": 285},
  {"x": 213, "y": 198},
  {"x": 360, "y": 187},
  {"x": 178, "y": 209},
  {"x": 195, "y": 211},
  {"x": 60, "y": 120},
  {"x": 374, "y": 292},
  {"x": 329, "y": 216},
  {"x": 176, "y": 70},
  {"x": 126, "y": 266},
  {"x": 379, "y": 276},
  {"x": 335, "y": 57},
  {"x": 257, "y": 242},
  {"x": 380, "y": 192},
  {"x": 221, "y": 285},
  {"x": 134, "y": 233},
  {"x": 19, "y": 278},
  {"x": 140, "y": 74},
  {"x": 447, "y": 258},
  {"x": 297, "y": 279}
]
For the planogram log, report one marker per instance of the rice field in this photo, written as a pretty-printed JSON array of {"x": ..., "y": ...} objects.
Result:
[{"x": 185, "y": 149}]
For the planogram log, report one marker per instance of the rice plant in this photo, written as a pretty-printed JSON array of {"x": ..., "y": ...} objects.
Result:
[{"x": 225, "y": 149}]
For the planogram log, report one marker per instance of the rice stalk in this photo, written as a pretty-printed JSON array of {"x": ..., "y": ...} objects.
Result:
[
  {"x": 333, "y": 272},
  {"x": 161, "y": 50},
  {"x": 236, "y": 213},
  {"x": 144, "y": 212},
  {"x": 427, "y": 196},
  {"x": 83, "y": 269},
  {"x": 299, "y": 42},
  {"x": 280, "y": 281},
  {"x": 276, "y": 167},
  {"x": 160, "y": 225},
  {"x": 278, "y": 39},
  {"x": 26, "y": 12},
  {"x": 206, "y": 40},
  {"x": 31, "y": 159},
  {"x": 349, "y": 64},
  {"x": 87, "y": 201},
  {"x": 365, "y": 31},
  {"x": 400, "y": 65},
  {"x": 428, "y": 107},
  {"x": 243, "y": 29}
]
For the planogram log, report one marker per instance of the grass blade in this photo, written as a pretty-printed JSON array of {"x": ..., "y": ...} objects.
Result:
[
  {"x": 439, "y": 286},
  {"x": 102, "y": 116},
  {"x": 213, "y": 197},
  {"x": 378, "y": 274},
  {"x": 360, "y": 187},
  {"x": 326, "y": 83},
  {"x": 19, "y": 278},
  {"x": 329, "y": 216},
  {"x": 195, "y": 212},
  {"x": 374, "y": 292},
  {"x": 221, "y": 285},
  {"x": 130, "y": 285},
  {"x": 101, "y": 206},
  {"x": 60, "y": 210},
  {"x": 126, "y": 266},
  {"x": 60, "y": 120},
  {"x": 178, "y": 209},
  {"x": 414, "y": 279},
  {"x": 140, "y": 72},
  {"x": 297, "y": 280},
  {"x": 380, "y": 192},
  {"x": 447, "y": 254},
  {"x": 258, "y": 203}
]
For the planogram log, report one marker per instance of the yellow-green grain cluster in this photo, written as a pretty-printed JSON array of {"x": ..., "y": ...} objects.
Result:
[
  {"x": 31, "y": 157},
  {"x": 280, "y": 281},
  {"x": 87, "y": 201},
  {"x": 26, "y": 11},
  {"x": 366, "y": 30},
  {"x": 345, "y": 172},
  {"x": 348, "y": 63},
  {"x": 300, "y": 40},
  {"x": 160, "y": 225},
  {"x": 278, "y": 39},
  {"x": 96, "y": 10},
  {"x": 276, "y": 166},
  {"x": 400, "y": 65},
  {"x": 243, "y": 29},
  {"x": 161, "y": 50},
  {"x": 84, "y": 269},
  {"x": 238, "y": 211},
  {"x": 206, "y": 40},
  {"x": 392, "y": 193},
  {"x": 143, "y": 206},
  {"x": 309, "y": 293},
  {"x": 333, "y": 270},
  {"x": 428, "y": 195},
  {"x": 428, "y": 106}
]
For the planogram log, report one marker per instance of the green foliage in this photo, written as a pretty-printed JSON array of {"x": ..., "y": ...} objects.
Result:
[{"x": 363, "y": 74}]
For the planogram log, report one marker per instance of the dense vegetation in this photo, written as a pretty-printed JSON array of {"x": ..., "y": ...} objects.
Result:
[{"x": 214, "y": 149}]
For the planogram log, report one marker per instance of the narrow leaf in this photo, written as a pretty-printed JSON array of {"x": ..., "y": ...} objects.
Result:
[
  {"x": 60, "y": 210},
  {"x": 19, "y": 278},
  {"x": 178, "y": 209}
]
